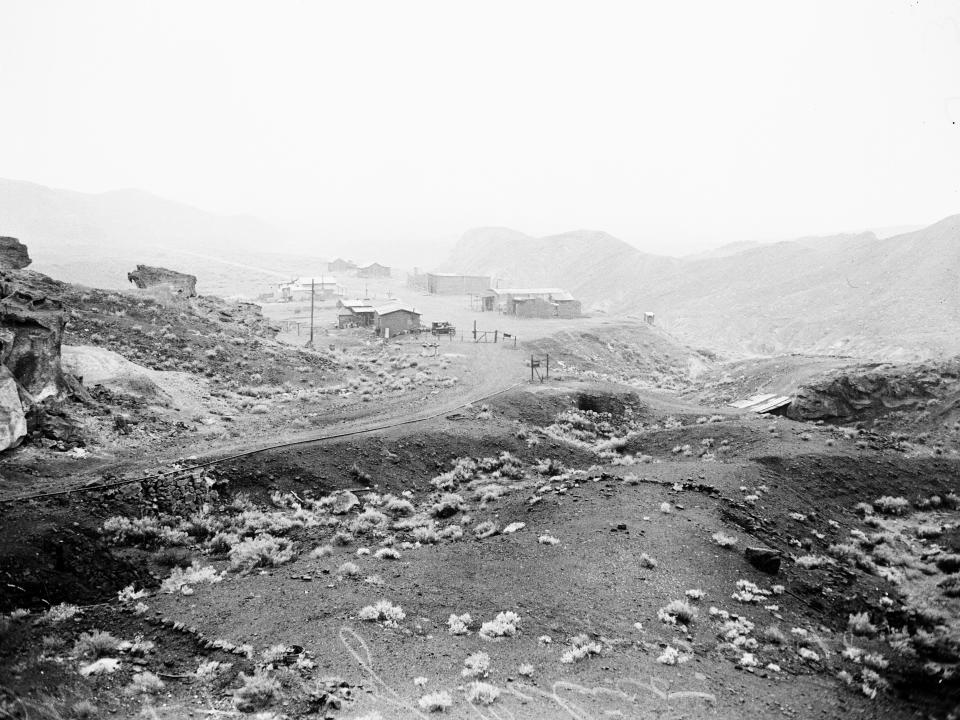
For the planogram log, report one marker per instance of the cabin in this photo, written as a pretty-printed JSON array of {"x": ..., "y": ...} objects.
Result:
[
  {"x": 374, "y": 270},
  {"x": 532, "y": 302},
  {"x": 456, "y": 284},
  {"x": 395, "y": 319},
  {"x": 354, "y": 313},
  {"x": 300, "y": 289},
  {"x": 341, "y": 265}
]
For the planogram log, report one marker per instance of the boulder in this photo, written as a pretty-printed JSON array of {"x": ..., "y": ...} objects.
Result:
[
  {"x": 31, "y": 331},
  {"x": 763, "y": 559},
  {"x": 13, "y": 423},
  {"x": 13, "y": 254},
  {"x": 145, "y": 277}
]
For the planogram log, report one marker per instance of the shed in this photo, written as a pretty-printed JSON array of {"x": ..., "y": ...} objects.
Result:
[
  {"x": 355, "y": 313},
  {"x": 395, "y": 319}
]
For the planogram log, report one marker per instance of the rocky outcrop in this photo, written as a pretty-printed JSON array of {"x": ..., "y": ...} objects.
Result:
[
  {"x": 13, "y": 254},
  {"x": 870, "y": 392},
  {"x": 13, "y": 422},
  {"x": 181, "y": 284},
  {"x": 31, "y": 331}
]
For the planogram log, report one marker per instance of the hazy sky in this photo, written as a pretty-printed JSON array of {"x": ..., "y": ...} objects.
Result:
[{"x": 673, "y": 125}]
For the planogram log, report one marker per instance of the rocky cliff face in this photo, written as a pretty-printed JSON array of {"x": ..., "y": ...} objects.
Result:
[
  {"x": 13, "y": 254},
  {"x": 146, "y": 276},
  {"x": 869, "y": 393},
  {"x": 31, "y": 332}
]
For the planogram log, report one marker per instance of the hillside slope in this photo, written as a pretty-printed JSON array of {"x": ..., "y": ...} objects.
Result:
[
  {"x": 894, "y": 298},
  {"x": 95, "y": 239}
]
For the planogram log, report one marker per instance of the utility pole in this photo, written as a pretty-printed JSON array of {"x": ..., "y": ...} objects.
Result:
[{"x": 312, "y": 292}]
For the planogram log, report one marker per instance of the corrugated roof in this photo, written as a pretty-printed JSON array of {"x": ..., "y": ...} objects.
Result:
[
  {"x": 356, "y": 305},
  {"x": 554, "y": 293},
  {"x": 762, "y": 403},
  {"x": 316, "y": 281},
  {"x": 359, "y": 309},
  {"x": 434, "y": 274},
  {"x": 394, "y": 307}
]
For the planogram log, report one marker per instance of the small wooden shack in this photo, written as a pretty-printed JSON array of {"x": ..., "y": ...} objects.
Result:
[{"x": 395, "y": 319}]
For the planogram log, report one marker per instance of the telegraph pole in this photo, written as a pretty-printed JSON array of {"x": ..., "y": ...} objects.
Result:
[{"x": 312, "y": 291}]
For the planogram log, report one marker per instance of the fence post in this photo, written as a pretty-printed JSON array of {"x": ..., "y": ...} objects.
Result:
[
  {"x": 495, "y": 336},
  {"x": 474, "y": 330},
  {"x": 531, "y": 368},
  {"x": 548, "y": 365}
]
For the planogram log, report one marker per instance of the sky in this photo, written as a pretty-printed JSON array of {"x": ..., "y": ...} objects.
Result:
[{"x": 674, "y": 126}]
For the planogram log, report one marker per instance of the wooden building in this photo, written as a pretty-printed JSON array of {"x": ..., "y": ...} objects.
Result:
[
  {"x": 395, "y": 319},
  {"x": 456, "y": 284},
  {"x": 532, "y": 302},
  {"x": 355, "y": 313},
  {"x": 374, "y": 270}
]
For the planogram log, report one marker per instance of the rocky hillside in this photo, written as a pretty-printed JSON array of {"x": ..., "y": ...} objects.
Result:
[{"x": 894, "y": 298}]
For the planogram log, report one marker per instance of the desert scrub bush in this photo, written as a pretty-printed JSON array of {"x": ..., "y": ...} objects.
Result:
[
  {"x": 193, "y": 575},
  {"x": 321, "y": 551},
  {"x": 383, "y": 611},
  {"x": 891, "y": 505},
  {"x": 677, "y": 611},
  {"x": 261, "y": 551},
  {"x": 436, "y": 701},
  {"x": 476, "y": 665},
  {"x": 485, "y": 529},
  {"x": 447, "y": 505},
  {"x": 459, "y": 624},
  {"x": 145, "y": 531},
  {"x": 859, "y": 624},
  {"x": 549, "y": 467},
  {"x": 581, "y": 647},
  {"x": 222, "y": 542},
  {"x": 451, "y": 532},
  {"x": 340, "y": 502},
  {"x": 464, "y": 470},
  {"x": 348, "y": 569},
  {"x": 812, "y": 562},
  {"x": 481, "y": 693},
  {"x": 773, "y": 635},
  {"x": 724, "y": 541},
  {"x": 426, "y": 535},
  {"x": 144, "y": 683},
  {"x": 58, "y": 614},
  {"x": 387, "y": 554},
  {"x": 359, "y": 475},
  {"x": 398, "y": 507},
  {"x": 96, "y": 644},
  {"x": 505, "y": 624},
  {"x": 256, "y": 692},
  {"x": 672, "y": 656},
  {"x": 369, "y": 521}
]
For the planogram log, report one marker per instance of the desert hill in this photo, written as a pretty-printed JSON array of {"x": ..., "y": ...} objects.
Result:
[
  {"x": 894, "y": 298},
  {"x": 96, "y": 238}
]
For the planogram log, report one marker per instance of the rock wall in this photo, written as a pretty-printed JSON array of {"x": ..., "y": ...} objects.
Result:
[
  {"x": 146, "y": 276},
  {"x": 13, "y": 254},
  {"x": 31, "y": 332}
]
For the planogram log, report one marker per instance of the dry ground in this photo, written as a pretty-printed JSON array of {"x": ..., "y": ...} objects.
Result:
[{"x": 592, "y": 582}]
